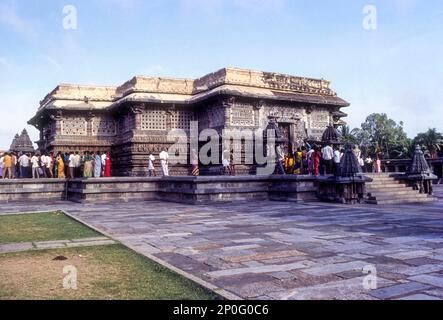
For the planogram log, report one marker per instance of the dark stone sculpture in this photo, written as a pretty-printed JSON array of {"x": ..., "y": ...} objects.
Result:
[
  {"x": 348, "y": 185},
  {"x": 419, "y": 174},
  {"x": 331, "y": 136}
]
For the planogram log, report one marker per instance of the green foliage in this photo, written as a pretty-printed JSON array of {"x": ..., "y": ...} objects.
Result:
[
  {"x": 430, "y": 141},
  {"x": 348, "y": 135},
  {"x": 380, "y": 135}
]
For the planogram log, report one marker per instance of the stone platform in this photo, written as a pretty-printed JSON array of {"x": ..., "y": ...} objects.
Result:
[
  {"x": 280, "y": 250},
  {"x": 191, "y": 190}
]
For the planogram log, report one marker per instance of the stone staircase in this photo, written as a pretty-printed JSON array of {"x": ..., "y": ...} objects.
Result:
[{"x": 384, "y": 189}]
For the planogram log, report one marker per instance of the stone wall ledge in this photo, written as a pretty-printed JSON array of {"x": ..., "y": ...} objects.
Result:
[{"x": 177, "y": 189}]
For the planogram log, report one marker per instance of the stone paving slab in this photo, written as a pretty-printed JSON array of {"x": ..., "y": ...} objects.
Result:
[
  {"x": 55, "y": 244},
  {"x": 15, "y": 247},
  {"x": 279, "y": 250}
]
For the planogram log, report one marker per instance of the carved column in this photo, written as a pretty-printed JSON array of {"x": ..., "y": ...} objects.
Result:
[{"x": 137, "y": 110}]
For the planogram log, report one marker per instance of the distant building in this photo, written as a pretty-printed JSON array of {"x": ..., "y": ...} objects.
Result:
[
  {"x": 133, "y": 120},
  {"x": 22, "y": 143}
]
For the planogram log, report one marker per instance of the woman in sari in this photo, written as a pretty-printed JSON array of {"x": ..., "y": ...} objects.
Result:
[
  {"x": 316, "y": 157},
  {"x": 107, "y": 165},
  {"x": 60, "y": 167},
  {"x": 87, "y": 171},
  {"x": 97, "y": 165}
]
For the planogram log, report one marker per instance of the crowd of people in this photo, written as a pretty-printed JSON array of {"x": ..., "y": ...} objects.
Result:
[
  {"x": 62, "y": 165},
  {"x": 306, "y": 160},
  {"x": 316, "y": 160}
]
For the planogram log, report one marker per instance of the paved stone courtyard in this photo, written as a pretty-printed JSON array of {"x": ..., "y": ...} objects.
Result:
[{"x": 280, "y": 250}]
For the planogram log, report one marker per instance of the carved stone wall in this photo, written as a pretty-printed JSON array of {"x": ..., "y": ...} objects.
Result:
[{"x": 74, "y": 126}]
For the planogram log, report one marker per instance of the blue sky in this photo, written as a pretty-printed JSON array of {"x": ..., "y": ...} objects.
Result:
[{"x": 396, "y": 68}]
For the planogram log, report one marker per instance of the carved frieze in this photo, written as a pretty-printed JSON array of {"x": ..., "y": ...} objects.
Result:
[{"x": 76, "y": 126}]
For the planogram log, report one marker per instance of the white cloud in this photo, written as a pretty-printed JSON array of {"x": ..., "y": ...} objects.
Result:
[{"x": 10, "y": 18}]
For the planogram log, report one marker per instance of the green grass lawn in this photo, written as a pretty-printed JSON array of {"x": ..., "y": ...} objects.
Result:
[
  {"x": 41, "y": 227},
  {"x": 104, "y": 272}
]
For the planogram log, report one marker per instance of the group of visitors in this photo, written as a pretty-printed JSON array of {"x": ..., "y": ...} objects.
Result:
[
  {"x": 316, "y": 160},
  {"x": 164, "y": 163},
  {"x": 62, "y": 165},
  {"x": 308, "y": 160}
]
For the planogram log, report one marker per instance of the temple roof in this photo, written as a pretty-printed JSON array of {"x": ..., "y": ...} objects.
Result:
[
  {"x": 22, "y": 143},
  {"x": 240, "y": 82}
]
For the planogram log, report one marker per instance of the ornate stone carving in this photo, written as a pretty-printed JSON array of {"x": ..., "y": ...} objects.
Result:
[
  {"x": 243, "y": 116},
  {"x": 103, "y": 127},
  {"x": 153, "y": 120},
  {"x": 76, "y": 126}
]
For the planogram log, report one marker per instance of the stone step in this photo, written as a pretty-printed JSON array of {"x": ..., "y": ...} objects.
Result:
[
  {"x": 417, "y": 196},
  {"x": 385, "y": 185},
  {"x": 404, "y": 193},
  {"x": 401, "y": 201}
]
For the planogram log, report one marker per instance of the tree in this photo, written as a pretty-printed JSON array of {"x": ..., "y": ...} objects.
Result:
[
  {"x": 348, "y": 135},
  {"x": 431, "y": 142},
  {"x": 381, "y": 135}
]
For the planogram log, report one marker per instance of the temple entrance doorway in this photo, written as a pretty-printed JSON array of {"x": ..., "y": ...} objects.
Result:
[{"x": 285, "y": 129}]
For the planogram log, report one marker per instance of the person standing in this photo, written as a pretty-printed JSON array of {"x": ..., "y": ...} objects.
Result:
[
  {"x": 23, "y": 162},
  {"x": 35, "y": 167},
  {"x": 194, "y": 163},
  {"x": 13, "y": 165},
  {"x": 337, "y": 159},
  {"x": 97, "y": 165},
  {"x": 280, "y": 156},
  {"x": 310, "y": 161},
  {"x": 107, "y": 172},
  {"x": 71, "y": 165},
  {"x": 226, "y": 162},
  {"x": 369, "y": 164},
  {"x": 327, "y": 154},
  {"x": 87, "y": 169},
  {"x": 7, "y": 166},
  {"x": 316, "y": 159},
  {"x": 151, "y": 168},
  {"x": 164, "y": 159},
  {"x": 103, "y": 156},
  {"x": 60, "y": 166},
  {"x": 48, "y": 167},
  {"x": 77, "y": 164},
  {"x": 378, "y": 165}
]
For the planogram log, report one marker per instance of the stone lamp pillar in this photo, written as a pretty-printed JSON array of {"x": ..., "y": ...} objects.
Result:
[
  {"x": 348, "y": 185},
  {"x": 419, "y": 174}
]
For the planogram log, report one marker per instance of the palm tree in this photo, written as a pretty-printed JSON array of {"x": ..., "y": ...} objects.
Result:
[
  {"x": 348, "y": 135},
  {"x": 431, "y": 141}
]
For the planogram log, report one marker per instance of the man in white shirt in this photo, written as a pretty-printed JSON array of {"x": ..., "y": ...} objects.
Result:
[
  {"x": 48, "y": 167},
  {"x": 327, "y": 154},
  {"x": 35, "y": 167},
  {"x": 24, "y": 165},
  {"x": 77, "y": 164},
  {"x": 71, "y": 165},
  {"x": 164, "y": 157},
  {"x": 337, "y": 158},
  {"x": 103, "y": 163},
  {"x": 151, "y": 168}
]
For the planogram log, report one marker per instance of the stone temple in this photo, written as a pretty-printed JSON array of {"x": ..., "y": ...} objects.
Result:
[{"x": 133, "y": 119}]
